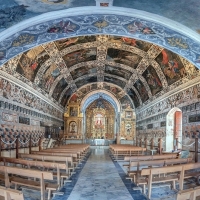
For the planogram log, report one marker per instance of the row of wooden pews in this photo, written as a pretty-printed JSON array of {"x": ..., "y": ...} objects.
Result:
[
  {"x": 39, "y": 169},
  {"x": 147, "y": 170},
  {"x": 119, "y": 151}
]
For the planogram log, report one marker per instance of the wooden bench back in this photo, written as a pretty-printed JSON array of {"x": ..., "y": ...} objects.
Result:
[
  {"x": 11, "y": 194},
  {"x": 27, "y": 172},
  {"x": 160, "y": 162},
  {"x": 34, "y": 163},
  {"x": 46, "y": 157},
  {"x": 55, "y": 153},
  {"x": 161, "y": 170},
  {"x": 150, "y": 157},
  {"x": 189, "y": 194}
]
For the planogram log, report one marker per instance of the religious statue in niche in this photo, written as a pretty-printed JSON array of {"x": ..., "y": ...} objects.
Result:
[
  {"x": 99, "y": 121},
  {"x": 73, "y": 111},
  {"x": 73, "y": 127},
  {"x": 128, "y": 114},
  {"x": 128, "y": 129}
]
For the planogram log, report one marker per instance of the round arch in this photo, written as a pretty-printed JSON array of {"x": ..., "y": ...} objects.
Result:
[
  {"x": 89, "y": 21},
  {"x": 173, "y": 129}
]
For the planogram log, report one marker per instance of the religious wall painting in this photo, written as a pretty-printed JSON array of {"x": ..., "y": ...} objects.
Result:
[
  {"x": 79, "y": 56},
  {"x": 49, "y": 76},
  {"x": 74, "y": 98},
  {"x": 141, "y": 90},
  {"x": 86, "y": 81},
  {"x": 62, "y": 84},
  {"x": 73, "y": 111},
  {"x": 153, "y": 80},
  {"x": 145, "y": 46},
  {"x": 72, "y": 128},
  {"x": 66, "y": 97},
  {"x": 88, "y": 88},
  {"x": 62, "y": 44},
  {"x": 123, "y": 57},
  {"x": 118, "y": 71},
  {"x": 128, "y": 114},
  {"x": 83, "y": 71},
  {"x": 126, "y": 103},
  {"x": 115, "y": 81},
  {"x": 134, "y": 97},
  {"x": 31, "y": 61},
  {"x": 171, "y": 66}
]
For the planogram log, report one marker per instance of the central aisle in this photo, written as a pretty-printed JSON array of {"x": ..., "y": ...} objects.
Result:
[{"x": 99, "y": 180}]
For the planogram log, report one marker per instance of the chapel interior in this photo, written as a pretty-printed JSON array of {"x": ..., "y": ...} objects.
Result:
[{"x": 99, "y": 100}]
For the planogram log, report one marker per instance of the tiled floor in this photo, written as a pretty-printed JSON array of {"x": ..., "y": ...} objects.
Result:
[{"x": 100, "y": 179}]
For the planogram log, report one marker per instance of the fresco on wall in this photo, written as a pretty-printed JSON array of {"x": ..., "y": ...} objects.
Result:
[
  {"x": 86, "y": 81},
  {"x": 66, "y": 97},
  {"x": 114, "y": 81},
  {"x": 153, "y": 80},
  {"x": 88, "y": 88},
  {"x": 123, "y": 57},
  {"x": 134, "y": 98},
  {"x": 31, "y": 61},
  {"x": 48, "y": 78},
  {"x": 74, "y": 98},
  {"x": 83, "y": 71},
  {"x": 171, "y": 66},
  {"x": 141, "y": 90},
  {"x": 62, "y": 84},
  {"x": 10, "y": 91},
  {"x": 118, "y": 92},
  {"x": 126, "y": 103},
  {"x": 79, "y": 56},
  {"x": 118, "y": 72},
  {"x": 145, "y": 46},
  {"x": 62, "y": 44}
]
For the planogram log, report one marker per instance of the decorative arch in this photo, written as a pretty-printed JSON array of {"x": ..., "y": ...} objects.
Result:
[
  {"x": 112, "y": 20},
  {"x": 90, "y": 97},
  {"x": 173, "y": 129}
]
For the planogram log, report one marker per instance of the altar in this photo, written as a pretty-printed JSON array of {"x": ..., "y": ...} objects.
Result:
[{"x": 99, "y": 142}]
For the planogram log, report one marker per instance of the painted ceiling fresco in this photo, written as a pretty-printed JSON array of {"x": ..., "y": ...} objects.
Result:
[
  {"x": 184, "y": 11},
  {"x": 142, "y": 70}
]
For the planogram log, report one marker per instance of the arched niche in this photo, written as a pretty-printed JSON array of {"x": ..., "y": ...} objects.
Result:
[{"x": 173, "y": 129}]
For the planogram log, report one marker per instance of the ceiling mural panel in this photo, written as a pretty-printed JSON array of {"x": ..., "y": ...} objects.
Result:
[
  {"x": 66, "y": 97},
  {"x": 48, "y": 77},
  {"x": 62, "y": 84},
  {"x": 145, "y": 46},
  {"x": 153, "y": 80},
  {"x": 85, "y": 89},
  {"x": 114, "y": 81},
  {"x": 141, "y": 90},
  {"x": 85, "y": 81},
  {"x": 83, "y": 71},
  {"x": 62, "y": 44},
  {"x": 117, "y": 71},
  {"x": 82, "y": 55},
  {"x": 31, "y": 61},
  {"x": 123, "y": 57},
  {"x": 126, "y": 102},
  {"x": 134, "y": 97},
  {"x": 171, "y": 65}
]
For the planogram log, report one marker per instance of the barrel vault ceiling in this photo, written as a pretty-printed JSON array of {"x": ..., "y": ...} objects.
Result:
[{"x": 121, "y": 65}]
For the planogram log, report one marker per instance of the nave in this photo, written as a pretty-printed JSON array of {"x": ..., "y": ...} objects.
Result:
[{"x": 100, "y": 179}]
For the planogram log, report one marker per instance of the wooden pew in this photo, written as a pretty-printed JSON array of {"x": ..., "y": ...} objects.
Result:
[
  {"x": 76, "y": 160},
  {"x": 28, "y": 173},
  {"x": 182, "y": 172},
  {"x": 61, "y": 159},
  {"x": 152, "y": 163},
  {"x": 10, "y": 194},
  {"x": 148, "y": 157},
  {"x": 40, "y": 164},
  {"x": 189, "y": 194}
]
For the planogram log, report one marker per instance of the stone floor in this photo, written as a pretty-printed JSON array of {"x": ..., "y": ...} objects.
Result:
[{"x": 100, "y": 178}]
